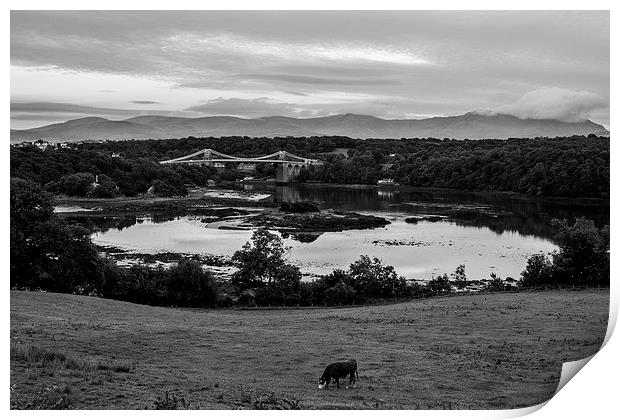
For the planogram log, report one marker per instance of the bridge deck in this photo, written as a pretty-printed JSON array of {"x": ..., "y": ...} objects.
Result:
[
  {"x": 210, "y": 156},
  {"x": 312, "y": 162}
]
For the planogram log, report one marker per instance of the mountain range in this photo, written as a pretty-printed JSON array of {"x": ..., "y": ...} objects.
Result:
[{"x": 472, "y": 125}]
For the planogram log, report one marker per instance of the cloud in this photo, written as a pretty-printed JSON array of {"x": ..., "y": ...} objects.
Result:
[
  {"x": 291, "y": 92},
  {"x": 314, "y": 80},
  {"x": 63, "y": 108},
  {"x": 144, "y": 102},
  {"x": 250, "y": 108},
  {"x": 555, "y": 103},
  {"x": 265, "y": 107},
  {"x": 298, "y": 51},
  {"x": 404, "y": 62}
]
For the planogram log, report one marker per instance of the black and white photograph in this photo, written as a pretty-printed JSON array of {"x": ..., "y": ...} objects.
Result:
[{"x": 306, "y": 209}]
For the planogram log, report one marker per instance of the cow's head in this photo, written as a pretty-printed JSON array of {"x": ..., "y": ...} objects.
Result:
[{"x": 322, "y": 383}]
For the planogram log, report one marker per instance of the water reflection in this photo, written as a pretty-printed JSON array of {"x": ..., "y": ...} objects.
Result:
[
  {"x": 501, "y": 212},
  {"x": 498, "y": 212},
  {"x": 487, "y": 232}
]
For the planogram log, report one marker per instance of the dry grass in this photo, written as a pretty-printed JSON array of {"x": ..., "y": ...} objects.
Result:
[{"x": 487, "y": 351}]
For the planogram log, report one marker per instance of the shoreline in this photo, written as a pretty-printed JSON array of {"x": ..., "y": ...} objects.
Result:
[{"x": 193, "y": 194}]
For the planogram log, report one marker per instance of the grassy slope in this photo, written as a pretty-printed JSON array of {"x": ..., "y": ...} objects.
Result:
[{"x": 487, "y": 351}]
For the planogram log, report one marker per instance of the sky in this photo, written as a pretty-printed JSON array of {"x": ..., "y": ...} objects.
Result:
[{"x": 390, "y": 64}]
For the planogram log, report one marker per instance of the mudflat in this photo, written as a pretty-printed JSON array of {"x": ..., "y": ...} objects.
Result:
[{"x": 488, "y": 351}]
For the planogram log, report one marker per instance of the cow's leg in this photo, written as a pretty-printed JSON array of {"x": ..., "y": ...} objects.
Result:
[
  {"x": 327, "y": 382},
  {"x": 337, "y": 382},
  {"x": 351, "y": 378}
]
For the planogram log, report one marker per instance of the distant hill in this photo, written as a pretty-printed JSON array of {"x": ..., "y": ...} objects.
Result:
[{"x": 472, "y": 125}]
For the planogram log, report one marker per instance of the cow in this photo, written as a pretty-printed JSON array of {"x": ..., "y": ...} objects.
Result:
[{"x": 339, "y": 370}]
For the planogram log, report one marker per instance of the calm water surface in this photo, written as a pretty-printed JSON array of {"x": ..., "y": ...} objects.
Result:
[{"x": 501, "y": 242}]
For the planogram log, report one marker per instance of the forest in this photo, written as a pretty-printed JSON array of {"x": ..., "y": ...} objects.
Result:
[{"x": 574, "y": 166}]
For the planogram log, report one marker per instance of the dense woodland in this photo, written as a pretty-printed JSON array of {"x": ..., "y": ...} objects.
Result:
[{"x": 575, "y": 166}]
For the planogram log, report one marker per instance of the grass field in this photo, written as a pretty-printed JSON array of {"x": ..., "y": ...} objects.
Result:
[{"x": 487, "y": 351}]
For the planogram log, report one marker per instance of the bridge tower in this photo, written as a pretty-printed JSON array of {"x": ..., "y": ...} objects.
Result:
[{"x": 287, "y": 172}]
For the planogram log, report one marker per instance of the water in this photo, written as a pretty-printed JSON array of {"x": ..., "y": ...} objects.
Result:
[{"x": 510, "y": 229}]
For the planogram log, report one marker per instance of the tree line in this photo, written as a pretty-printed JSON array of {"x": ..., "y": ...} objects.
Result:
[{"x": 574, "y": 166}]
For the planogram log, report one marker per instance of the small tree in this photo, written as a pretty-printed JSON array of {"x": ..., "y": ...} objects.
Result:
[
  {"x": 340, "y": 294},
  {"x": 189, "y": 285},
  {"x": 460, "y": 279},
  {"x": 259, "y": 261},
  {"x": 320, "y": 286},
  {"x": 496, "y": 283},
  {"x": 371, "y": 279},
  {"x": 439, "y": 285},
  {"x": 47, "y": 253},
  {"x": 538, "y": 272},
  {"x": 583, "y": 258},
  {"x": 78, "y": 184}
]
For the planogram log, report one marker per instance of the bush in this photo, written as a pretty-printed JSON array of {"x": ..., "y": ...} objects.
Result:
[
  {"x": 371, "y": 279},
  {"x": 340, "y": 294},
  {"x": 224, "y": 300},
  {"x": 165, "y": 189},
  {"x": 582, "y": 260},
  {"x": 416, "y": 290},
  {"x": 538, "y": 272},
  {"x": 79, "y": 184},
  {"x": 460, "y": 279},
  {"x": 496, "y": 284},
  {"x": 171, "y": 402},
  {"x": 46, "y": 253},
  {"x": 320, "y": 286},
  {"x": 283, "y": 290},
  {"x": 439, "y": 285},
  {"x": 188, "y": 285}
]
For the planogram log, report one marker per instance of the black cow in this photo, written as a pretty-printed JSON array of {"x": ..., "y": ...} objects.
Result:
[{"x": 339, "y": 370}]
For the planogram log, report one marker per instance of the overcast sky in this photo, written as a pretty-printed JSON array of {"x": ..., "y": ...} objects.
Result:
[{"x": 405, "y": 64}]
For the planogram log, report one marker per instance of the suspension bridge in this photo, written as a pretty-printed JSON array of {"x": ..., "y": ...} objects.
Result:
[{"x": 287, "y": 164}]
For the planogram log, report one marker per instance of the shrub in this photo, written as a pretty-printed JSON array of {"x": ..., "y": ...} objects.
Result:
[
  {"x": 496, "y": 283},
  {"x": 78, "y": 184},
  {"x": 165, "y": 189},
  {"x": 283, "y": 290},
  {"x": 247, "y": 298},
  {"x": 416, "y": 290},
  {"x": 439, "y": 285},
  {"x": 188, "y": 284},
  {"x": 583, "y": 258},
  {"x": 538, "y": 272},
  {"x": 224, "y": 300},
  {"x": 371, "y": 279},
  {"x": 320, "y": 286},
  {"x": 460, "y": 279},
  {"x": 340, "y": 294},
  {"x": 171, "y": 402}
]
